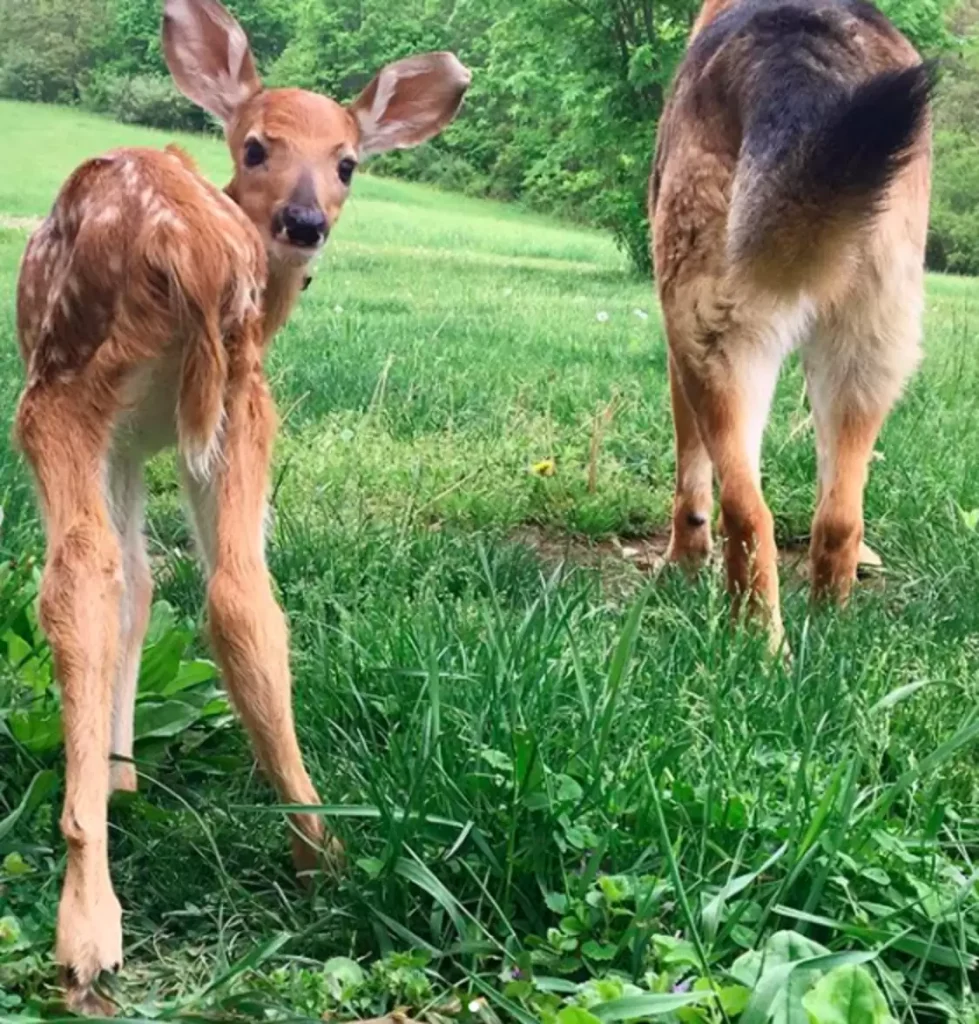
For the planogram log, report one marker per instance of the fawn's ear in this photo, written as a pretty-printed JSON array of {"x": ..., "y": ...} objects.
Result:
[
  {"x": 410, "y": 101},
  {"x": 209, "y": 57}
]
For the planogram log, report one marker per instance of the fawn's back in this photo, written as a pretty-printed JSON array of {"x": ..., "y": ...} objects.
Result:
[{"x": 139, "y": 256}]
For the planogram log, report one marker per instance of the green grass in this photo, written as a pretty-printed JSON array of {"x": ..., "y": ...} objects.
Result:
[{"x": 539, "y": 773}]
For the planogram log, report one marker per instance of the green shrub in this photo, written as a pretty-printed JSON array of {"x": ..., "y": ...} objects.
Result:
[
  {"x": 953, "y": 237},
  {"x": 47, "y": 47},
  {"x": 38, "y": 75},
  {"x": 631, "y": 232},
  {"x": 143, "y": 99},
  {"x": 435, "y": 164},
  {"x": 25, "y": 76}
]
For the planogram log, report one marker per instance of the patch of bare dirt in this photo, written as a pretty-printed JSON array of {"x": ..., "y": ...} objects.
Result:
[
  {"x": 624, "y": 560},
  {"x": 647, "y": 554},
  {"x": 622, "y": 563}
]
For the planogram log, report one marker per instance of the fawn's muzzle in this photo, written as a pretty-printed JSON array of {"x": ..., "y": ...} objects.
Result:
[{"x": 304, "y": 226}]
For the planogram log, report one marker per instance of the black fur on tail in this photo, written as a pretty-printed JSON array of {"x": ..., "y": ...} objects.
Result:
[
  {"x": 855, "y": 147},
  {"x": 818, "y": 152},
  {"x": 869, "y": 140}
]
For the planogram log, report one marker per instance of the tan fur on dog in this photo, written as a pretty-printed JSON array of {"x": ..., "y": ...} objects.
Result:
[{"x": 789, "y": 203}]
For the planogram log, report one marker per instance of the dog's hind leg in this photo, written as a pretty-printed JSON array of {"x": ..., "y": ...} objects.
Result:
[
  {"x": 855, "y": 368},
  {"x": 728, "y": 380},
  {"x": 690, "y": 537}
]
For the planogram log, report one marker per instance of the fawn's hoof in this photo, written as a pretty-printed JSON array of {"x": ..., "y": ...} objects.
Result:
[
  {"x": 315, "y": 849},
  {"x": 89, "y": 946},
  {"x": 122, "y": 777}
]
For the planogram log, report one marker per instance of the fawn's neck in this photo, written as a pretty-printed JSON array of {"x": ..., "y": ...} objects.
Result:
[
  {"x": 285, "y": 282},
  {"x": 284, "y": 285}
]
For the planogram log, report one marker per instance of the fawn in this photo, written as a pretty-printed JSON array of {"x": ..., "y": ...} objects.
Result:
[
  {"x": 789, "y": 203},
  {"x": 145, "y": 304}
]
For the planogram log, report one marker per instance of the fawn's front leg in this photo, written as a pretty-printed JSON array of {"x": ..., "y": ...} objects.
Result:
[{"x": 247, "y": 626}]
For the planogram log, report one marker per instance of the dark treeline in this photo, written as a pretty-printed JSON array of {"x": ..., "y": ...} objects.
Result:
[{"x": 563, "y": 109}]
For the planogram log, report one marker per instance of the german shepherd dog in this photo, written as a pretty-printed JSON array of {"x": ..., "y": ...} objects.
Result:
[{"x": 789, "y": 204}]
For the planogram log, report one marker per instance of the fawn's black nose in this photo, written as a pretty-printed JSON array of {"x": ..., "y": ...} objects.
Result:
[{"x": 304, "y": 225}]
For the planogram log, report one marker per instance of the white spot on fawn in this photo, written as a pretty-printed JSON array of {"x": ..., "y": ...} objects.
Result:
[
  {"x": 130, "y": 175},
  {"x": 108, "y": 215},
  {"x": 163, "y": 217}
]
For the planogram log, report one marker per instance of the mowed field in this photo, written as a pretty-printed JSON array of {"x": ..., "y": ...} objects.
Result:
[{"x": 561, "y": 778}]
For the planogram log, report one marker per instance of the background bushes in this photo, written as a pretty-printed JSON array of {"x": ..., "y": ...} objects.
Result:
[
  {"x": 563, "y": 109},
  {"x": 47, "y": 47},
  {"x": 142, "y": 99},
  {"x": 953, "y": 243}
]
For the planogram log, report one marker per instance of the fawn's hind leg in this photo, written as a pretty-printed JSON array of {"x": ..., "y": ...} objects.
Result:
[
  {"x": 126, "y": 493},
  {"x": 247, "y": 626},
  {"x": 79, "y": 611}
]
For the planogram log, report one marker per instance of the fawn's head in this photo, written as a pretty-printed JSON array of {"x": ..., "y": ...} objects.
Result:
[{"x": 295, "y": 152}]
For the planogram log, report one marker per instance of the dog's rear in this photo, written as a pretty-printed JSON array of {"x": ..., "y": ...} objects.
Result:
[
  {"x": 820, "y": 146},
  {"x": 789, "y": 202}
]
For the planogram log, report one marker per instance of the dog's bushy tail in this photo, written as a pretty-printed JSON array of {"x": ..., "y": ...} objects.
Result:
[{"x": 815, "y": 164}]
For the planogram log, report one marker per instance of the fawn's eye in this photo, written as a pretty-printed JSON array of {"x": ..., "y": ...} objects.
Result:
[
  {"x": 255, "y": 153},
  {"x": 346, "y": 169}
]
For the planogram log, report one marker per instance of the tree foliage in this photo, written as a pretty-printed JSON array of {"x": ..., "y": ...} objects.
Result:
[
  {"x": 953, "y": 242},
  {"x": 562, "y": 113},
  {"x": 47, "y": 46}
]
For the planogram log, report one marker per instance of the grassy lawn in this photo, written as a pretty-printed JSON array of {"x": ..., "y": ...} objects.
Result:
[{"x": 559, "y": 782}]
